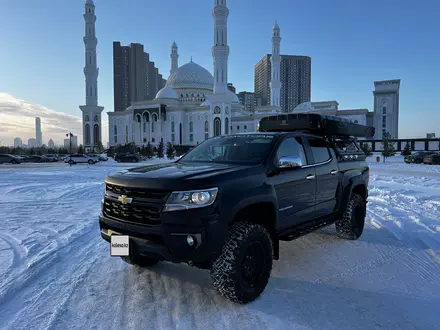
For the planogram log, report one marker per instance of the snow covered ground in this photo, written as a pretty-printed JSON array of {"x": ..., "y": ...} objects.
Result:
[{"x": 56, "y": 272}]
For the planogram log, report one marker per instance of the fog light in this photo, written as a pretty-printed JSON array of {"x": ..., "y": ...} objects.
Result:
[{"x": 190, "y": 240}]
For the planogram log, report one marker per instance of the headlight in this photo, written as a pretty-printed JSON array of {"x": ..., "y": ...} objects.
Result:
[{"x": 183, "y": 200}]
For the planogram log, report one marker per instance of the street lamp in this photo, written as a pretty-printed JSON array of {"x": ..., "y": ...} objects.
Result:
[{"x": 69, "y": 135}]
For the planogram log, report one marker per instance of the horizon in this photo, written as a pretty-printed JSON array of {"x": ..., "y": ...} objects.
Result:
[{"x": 362, "y": 51}]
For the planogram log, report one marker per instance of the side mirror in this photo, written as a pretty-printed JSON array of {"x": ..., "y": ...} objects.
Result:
[{"x": 290, "y": 163}]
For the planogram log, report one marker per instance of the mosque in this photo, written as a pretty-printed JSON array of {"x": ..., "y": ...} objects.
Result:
[{"x": 194, "y": 104}]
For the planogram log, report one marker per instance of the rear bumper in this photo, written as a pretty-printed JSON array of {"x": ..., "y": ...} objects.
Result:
[{"x": 169, "y": 241}]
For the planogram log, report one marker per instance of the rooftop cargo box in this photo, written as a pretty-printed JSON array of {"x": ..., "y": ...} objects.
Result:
[{"x": 314, "y": 123}]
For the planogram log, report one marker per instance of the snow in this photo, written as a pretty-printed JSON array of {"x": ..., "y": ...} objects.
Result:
[{"x": 56, "y": 271}]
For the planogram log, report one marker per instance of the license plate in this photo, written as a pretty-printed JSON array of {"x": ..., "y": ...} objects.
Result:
[{"x": 119, "y": 245}]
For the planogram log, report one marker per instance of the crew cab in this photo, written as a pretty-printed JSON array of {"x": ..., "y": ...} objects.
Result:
[{"x": 227, "y": 203}]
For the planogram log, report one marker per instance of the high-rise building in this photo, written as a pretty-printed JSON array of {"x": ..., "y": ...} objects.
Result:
[
  {"x": 18, "y": 143},
  {"x": 295, "y": 81},
  {"x": 91, "y": 111},
  {"x": 38, "y": 133},
  {"x": 32, "y": 143},
  {"x": 386, "y": 108},
  {"x": 74, "y": 142},
  {"x": 430, "y": 135},
  {"x": 51, "y": 144},
  {"x": 135, "y": 77},
  {"x": 248, "y": 100}
]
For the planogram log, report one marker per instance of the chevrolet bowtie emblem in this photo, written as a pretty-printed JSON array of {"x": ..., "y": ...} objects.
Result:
[{"x": 124, "y": 199}]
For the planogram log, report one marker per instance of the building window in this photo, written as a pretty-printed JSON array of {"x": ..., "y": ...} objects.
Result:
[
  {"x": 153, "y": 123},
  {"x": 173, "y": 128},
  {"x": 96, "y": 118},
  {"x": 173, "y": 137},
  {"x": 96, "y": 134},
  {"x": 226, "y": 126},
  {"x": 126, "y": 134},
  {"x": 191, "y": 138},
  {"x": 87, "y": 134},
  {"x": 87, "y": 118},
  {"x": 191, "y": 127},
  {"x": 384, "y": 110},
  {"x": 245, "y": 127},
  {"x": 217, "y": 127}
]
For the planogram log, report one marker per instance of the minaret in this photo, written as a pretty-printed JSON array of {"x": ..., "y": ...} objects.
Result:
[
  {"x": 220, "y": 51},
  {"x": 174, "y": 57},
  {"x": 91, "y": 111},
  {"x": 275, "y": 62}
]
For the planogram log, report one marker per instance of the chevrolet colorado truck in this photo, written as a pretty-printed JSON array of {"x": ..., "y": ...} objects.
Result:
[{"x": 227, "y": 203}]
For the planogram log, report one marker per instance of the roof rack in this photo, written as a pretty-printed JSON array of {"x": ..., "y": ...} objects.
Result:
[{"x": 316, "y": 124}]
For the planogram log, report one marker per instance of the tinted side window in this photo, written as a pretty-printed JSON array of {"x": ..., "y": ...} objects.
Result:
[
  {"x": 319, "y": 150},
  {"x": 292, "y": 147}
]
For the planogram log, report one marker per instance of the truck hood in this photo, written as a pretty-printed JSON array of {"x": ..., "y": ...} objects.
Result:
[{"x": 172, "y": 176}]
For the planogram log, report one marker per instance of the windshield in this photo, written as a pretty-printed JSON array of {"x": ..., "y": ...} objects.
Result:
[{"x": 236, "y": 149}]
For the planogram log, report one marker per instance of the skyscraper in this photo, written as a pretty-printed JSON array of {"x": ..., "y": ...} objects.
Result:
[
  {"x": 282, "y": 80},
  {"x": 38, "y": 133},
  {"x": 135, "y": 77},
  {"x": 386, "y": 108},
  {"x": 91, "y": 110}
]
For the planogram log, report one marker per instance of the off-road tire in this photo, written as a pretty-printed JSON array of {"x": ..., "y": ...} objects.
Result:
[
  {"x": 140, "y": 261},
  {"x": 226, "y": 272},
  {"x": 351, "y": 224},
  {"x": 91, "y": 162}
]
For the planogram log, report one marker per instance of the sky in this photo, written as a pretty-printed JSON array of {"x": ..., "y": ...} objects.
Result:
[{"x": 351, "y": 43}]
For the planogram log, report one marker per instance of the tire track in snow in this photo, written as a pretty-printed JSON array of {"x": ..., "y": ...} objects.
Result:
[
  {"x": 57, "y": 282},
  {"x": 19, "y": 252}
]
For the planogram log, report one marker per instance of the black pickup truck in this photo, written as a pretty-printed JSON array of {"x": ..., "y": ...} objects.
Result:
[{"x": 227, "y": 203}]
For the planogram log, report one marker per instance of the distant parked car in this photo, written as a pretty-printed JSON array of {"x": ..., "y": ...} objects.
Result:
[
  {"x": 52, "y": 158},
  {"x": 433, "y": 159},
  {"x": 95, "y": 157},
  {"x": 36, "y": 159},
  {"x": 128, "y": 158},
  {"x": 79, "y": 158},
  {"x": 9, "y": 159},
  {"x": 417, "y": 157}
]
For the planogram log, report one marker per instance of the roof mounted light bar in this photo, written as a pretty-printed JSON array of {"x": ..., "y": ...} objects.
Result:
[{"x": 316, "y": 124}]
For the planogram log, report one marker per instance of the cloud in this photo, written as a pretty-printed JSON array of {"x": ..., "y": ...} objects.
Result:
[{"x": 17, "y": 119}]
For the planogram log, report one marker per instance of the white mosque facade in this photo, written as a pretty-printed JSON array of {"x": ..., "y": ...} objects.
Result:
[{"x": 194, "y": 104}]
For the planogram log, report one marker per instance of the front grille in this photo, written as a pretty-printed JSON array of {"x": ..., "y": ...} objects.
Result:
[
  {"x": 144, "y": 214},
  {"x": 137, "y": 192}
]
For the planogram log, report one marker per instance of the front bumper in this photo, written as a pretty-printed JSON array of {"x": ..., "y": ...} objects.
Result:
[{"x": 169, "y": 241}]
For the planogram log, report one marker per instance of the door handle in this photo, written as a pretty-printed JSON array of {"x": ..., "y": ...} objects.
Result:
[
  {"x": 333, "y": 172},
  {"x": 310, "y": 177}
]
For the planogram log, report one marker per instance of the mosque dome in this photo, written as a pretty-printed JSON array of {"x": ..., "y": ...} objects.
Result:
[
  {"x": 191, "y": 75},
  {"x": 166, "y": 93}
]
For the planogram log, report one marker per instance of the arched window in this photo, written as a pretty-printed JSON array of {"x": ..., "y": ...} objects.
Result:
[
  {"x": 217, "y": 127},
  {"x": 96, "y": 134},
  {"x": 87, "y": 134},
  {"x": 116, "y": 130},
  {"x": 153, "y": 123},
  {"x": 206, "y": 130},
  {"x": 173, "y": 128},
  {"x": 226, "y": 126},
  {"x": 191, "y": 127},
  {"x": 138, "y": 117}
]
